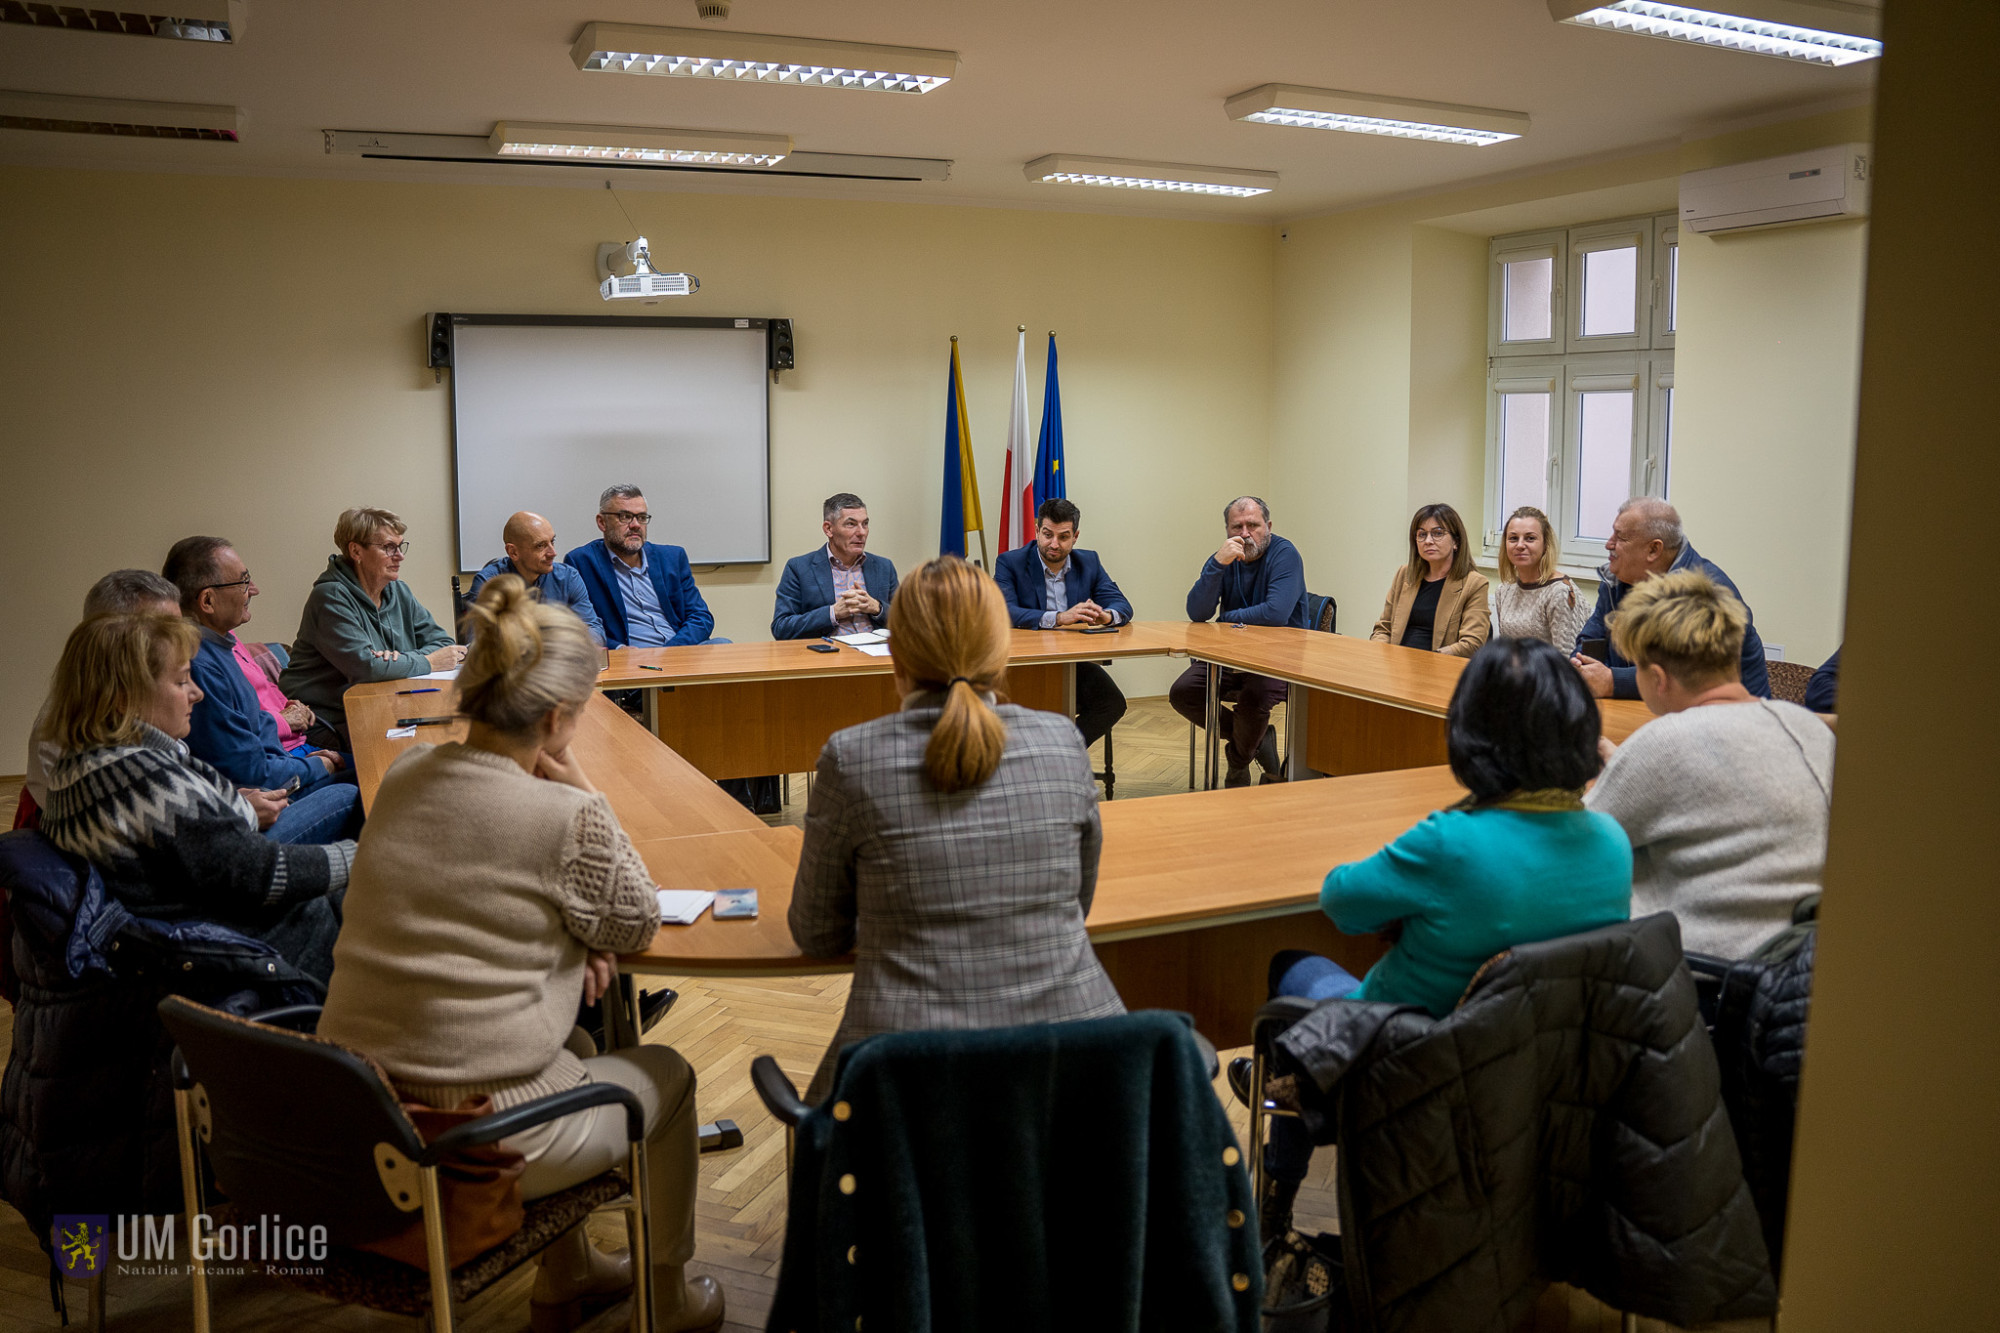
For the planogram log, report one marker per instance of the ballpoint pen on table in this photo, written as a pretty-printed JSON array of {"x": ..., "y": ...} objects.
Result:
[
  {"x": 428, "y": 690},
  {"x": 425, "y": 721}
]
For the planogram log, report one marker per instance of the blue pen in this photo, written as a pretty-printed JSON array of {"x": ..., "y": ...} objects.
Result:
[{"x": 429, "y": 690}]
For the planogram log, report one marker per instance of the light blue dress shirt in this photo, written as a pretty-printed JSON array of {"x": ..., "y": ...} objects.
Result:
[{"x": 646, "y": 624}]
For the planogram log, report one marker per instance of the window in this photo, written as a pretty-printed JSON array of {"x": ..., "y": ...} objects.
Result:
[{"x": 1580, "y": 384}]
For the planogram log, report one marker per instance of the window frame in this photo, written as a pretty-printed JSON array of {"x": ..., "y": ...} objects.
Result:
[{"x": 1571, "y": 362}]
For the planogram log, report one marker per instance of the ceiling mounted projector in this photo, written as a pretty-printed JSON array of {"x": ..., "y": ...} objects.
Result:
[{"x": 627, "y": 273}]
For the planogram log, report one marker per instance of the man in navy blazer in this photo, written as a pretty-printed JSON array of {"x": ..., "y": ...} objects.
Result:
[
  {"x": 840, "y": 588},
  {"x": 1054, "y": 584},
  {"x": 643, "y": 591}
]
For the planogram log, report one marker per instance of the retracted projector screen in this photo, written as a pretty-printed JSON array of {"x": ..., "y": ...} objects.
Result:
[{"x": 547, "y": 411}]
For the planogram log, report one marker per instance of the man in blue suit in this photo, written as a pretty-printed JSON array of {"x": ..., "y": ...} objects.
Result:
[
  {"x": 644, "y": 592},
  {"x": 840, "y": 588},
  {"x": 1053, "y": 585}
]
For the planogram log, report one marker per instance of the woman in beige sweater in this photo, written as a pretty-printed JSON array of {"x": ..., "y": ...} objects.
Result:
[
  {"x": 493, "y": 891},
  {"x": 1533, "y": 600},
  {"x": 1437, "y": 601}
]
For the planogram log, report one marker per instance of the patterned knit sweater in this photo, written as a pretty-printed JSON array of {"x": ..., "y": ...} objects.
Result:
[
  {"x": 477, "y": 893},
  {"x": 1550, "y": 611},
  {"x": 174, "y": 838}
]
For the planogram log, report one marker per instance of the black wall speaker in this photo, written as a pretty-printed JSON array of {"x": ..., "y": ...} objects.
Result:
[
  {"x": 440, "y": 341},
  {"x": 781, "y": 345}
]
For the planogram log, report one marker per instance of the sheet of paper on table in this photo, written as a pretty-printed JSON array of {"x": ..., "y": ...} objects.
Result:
[
  {"x": 400, "y": 733},
  {"x": 449, "y": 673},
  {"x": 873, "y": 649},
  {"x": 862, "y": 637},
  {"x": 683, "y": 907}
]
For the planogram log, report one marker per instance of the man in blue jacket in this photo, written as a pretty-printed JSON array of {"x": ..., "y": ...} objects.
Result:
[
  {"x": 530, "y": 540},
  {"x": 643, "y": 591},
  {"x": 234, "y": 726},
  {"x": 1647, "y": 539},
  {"x": 1255, "y": 578},
  {"x": 840, "y": 588},
  {"x": 1054, "y": 585}
]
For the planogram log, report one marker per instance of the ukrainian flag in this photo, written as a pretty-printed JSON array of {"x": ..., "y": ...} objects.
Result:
[{"x": 961, "y": 478}]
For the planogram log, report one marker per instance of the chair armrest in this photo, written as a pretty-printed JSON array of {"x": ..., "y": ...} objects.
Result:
[
  {"x": 780, "y": 1098},
  {"x": 1276, "y": 1015},
  {"x": 513, "y": 1120},
  {"x": 1708, "y": 965},
  {"x": 287, "y": 1016}
]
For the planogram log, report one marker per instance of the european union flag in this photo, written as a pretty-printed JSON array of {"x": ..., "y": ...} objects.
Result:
[
  {"x": 1050, "y": 482},
  {"x": 961, "y": 478}
]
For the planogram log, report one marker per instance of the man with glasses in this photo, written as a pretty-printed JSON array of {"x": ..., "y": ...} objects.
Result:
[
  {"x": 530, "y": 540},
  {"x": 243, "y": 724},
  {"x": 643, "y": 591},
  {"x": 1647, "y": 539}
]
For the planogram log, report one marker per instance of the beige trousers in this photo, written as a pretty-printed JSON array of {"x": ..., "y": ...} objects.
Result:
[{"x": 571, "y": 1150}]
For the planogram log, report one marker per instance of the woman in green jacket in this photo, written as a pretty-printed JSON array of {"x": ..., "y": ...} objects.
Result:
[{"x": 362, "y": 623}]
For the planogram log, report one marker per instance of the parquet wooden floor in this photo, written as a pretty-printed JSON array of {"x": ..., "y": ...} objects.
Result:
[{"x": 719, "y": 1026}]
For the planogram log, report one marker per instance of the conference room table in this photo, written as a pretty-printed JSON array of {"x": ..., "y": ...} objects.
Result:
[{"x": 1195, "y": 891}]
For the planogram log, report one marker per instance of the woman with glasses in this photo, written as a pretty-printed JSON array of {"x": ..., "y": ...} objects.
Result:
[
  {"x": 1436, "y": 602},
  {"x": 362, "y": 623}
]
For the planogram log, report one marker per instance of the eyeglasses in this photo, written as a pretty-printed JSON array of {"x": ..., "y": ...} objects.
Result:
[
  {"x": 390, "y": 548},
  {"x": 641, "y": 519},
  {"x": 243, "y": 582},
  {"x": 1433, "y": 535}
]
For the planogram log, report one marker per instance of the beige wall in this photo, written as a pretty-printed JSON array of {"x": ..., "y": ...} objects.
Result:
[
  {"x": 1895, "y": 1203},
  {"x": 1381, "y": 377},
  {"x": 186, "y": 354}
]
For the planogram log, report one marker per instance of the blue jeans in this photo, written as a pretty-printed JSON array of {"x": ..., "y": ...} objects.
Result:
[
  {"x": 327, "y": 812},
  {"x": 1288, "y": 1151}
]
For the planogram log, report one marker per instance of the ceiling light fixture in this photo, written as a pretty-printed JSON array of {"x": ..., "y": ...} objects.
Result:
[
  {"x": 1063, "y": 169},
  {"x": 197, "y": 20},
  {"x": 1816, "y": 31},
  {"x": 104, "y": 115},
  {"x": 626, "y": 143},
  {"x": 748, "y": 57},
  {"x": 1360, "y": 113}
]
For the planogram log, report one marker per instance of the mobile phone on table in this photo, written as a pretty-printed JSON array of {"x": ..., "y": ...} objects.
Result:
[
  {"x": 824, "y": 647},
  {"x": 1595, "y": 649},
  {"x": 1101, "y": 629},
  {"x": 732, "y": 904}
]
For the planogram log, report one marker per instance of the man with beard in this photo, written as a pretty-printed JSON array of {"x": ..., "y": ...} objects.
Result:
[
  {"x": 643, "y": 591},
  {"x": 1255, "y": 578}
]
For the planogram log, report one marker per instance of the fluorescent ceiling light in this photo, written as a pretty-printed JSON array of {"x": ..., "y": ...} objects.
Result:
[
  {"x": 196, "y": 20},
  {"x": 625, "y": 143},
  {"x": 1359, "y": 113},
  {"x": 1063, "y": 169},
  {"x": 104, "y": 115},
  {"x": 1821, "y": 33},
  {"x": 748, "y": 57}
]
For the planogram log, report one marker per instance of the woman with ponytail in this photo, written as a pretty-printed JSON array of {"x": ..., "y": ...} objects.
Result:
[
  {"x": 493, "y": 891},
  {"x": 952, "y": 846}
]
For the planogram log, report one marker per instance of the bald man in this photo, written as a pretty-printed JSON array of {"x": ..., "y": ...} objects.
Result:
[{"x": 531, "y": 553}]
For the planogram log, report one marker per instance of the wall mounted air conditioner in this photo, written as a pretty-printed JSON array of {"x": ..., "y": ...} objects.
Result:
[{"x": 1819, "y": 186}]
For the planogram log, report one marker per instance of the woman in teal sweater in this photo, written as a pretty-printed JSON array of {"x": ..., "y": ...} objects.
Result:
[{"x": 1517, "y": 861}]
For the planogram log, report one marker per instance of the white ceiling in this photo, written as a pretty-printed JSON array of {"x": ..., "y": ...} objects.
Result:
[{"x": 1140, "y": 79}]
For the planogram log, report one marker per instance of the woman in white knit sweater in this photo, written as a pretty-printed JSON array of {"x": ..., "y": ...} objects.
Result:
[
  {"x": 1531, "y": 600},
  {"x": 1725, "y": 796},
  {"x": 492, "y": 890}
]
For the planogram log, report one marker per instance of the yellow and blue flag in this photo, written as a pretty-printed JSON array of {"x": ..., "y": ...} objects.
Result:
[{"x": 961, "y": 478}]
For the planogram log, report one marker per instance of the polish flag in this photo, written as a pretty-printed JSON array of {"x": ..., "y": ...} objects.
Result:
[{"x": 1017, "y": 496}]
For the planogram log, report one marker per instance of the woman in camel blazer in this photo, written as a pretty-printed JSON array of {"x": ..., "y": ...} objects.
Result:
[{"x": 1436, "y": 602}]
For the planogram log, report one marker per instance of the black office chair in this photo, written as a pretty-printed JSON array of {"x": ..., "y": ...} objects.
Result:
[
  {"x": 1052, "y": 1176},
  {"x": 298, "y": 1127},
  {"x": 1321, "y": 613}
]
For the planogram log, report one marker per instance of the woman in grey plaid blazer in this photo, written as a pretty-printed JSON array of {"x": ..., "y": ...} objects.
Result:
[{"x": 952, "y": 846}]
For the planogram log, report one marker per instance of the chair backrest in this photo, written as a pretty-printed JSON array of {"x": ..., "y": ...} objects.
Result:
[
  {"x": 1074, "y": 1175},
  {"x": 1789, "y": 680},
  {"x": 296, "y": 1125},
  {"x": 1320, "y": 612}
]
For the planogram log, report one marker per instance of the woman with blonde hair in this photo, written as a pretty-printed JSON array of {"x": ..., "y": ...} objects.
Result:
[
  {"x": 952, "y": 846},
  {"x": 1437, "y": 601},
  {"x": 173, "y": 837},
  {"x": 1533, "y": 600},
  {"x": 361, "y": 623},
  {"x": 492, "y": 892},
  {"x": 1725, "y": 797}
]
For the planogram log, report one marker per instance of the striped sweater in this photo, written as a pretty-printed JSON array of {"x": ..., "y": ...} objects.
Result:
[{"x": 174, "y": 838}]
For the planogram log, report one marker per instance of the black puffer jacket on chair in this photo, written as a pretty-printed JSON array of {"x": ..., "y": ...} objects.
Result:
[{"x": 1564, "y": 1123}]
